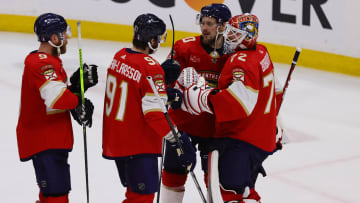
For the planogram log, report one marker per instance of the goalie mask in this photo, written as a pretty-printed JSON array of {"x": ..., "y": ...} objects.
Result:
[{"x": 241, "y": 32}]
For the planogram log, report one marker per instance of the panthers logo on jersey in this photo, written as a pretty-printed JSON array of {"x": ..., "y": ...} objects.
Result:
[
  {"x": 238, "y": 75},
  {"x": 48, "y": 72},
  {"x": 159, "y": 82}
]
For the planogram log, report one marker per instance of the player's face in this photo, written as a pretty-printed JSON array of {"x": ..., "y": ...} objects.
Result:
[
  {"x": 208, "y": 26},
  {"x": 63, "y": 48}
]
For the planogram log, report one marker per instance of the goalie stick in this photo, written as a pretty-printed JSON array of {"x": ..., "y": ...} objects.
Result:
[
  {"x": 163, "y": 109},
  {"x": 82, "y": 102},
  {"x": 293, "y": 64}
]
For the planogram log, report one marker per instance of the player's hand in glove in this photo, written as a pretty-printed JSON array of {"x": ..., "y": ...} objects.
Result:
[
  {"x": 90, "y": 78},
  {"x": 280, "y": 135},
  {"x": 172, "y": 70},
  {"x": 175, "y": 97},
  {"x": 83, "y": 112},
  {"x": 196, "y": 99},
  {"x": 187, "y": 157}
]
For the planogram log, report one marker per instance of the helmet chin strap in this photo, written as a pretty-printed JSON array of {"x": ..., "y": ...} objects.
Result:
[
  {"x": 57, "y": 47},
  {"x": 215, "y": 54},
  {"x": 154, "y": 49}
]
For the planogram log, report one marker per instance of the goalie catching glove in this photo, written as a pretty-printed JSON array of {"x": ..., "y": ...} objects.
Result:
[
  {"x": 187, "y": 157},
  {"x": 83, "y": 113},
  {"x": 90, "y": 78},
  {"x": 196, "y": 98}
]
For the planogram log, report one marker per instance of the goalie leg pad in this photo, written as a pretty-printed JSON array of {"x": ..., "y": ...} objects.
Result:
[
  {"x": 239, "y": 164},
  {"x": 140, "y": 174}
]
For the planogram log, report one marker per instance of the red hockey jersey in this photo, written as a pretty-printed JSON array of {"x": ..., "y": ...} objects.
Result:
[
  {"x": 245, "y": 108},
  {"x": 44, "y": 121},
  {"x": 133, "y": 122},
  {"x": 190, "y": 53}
]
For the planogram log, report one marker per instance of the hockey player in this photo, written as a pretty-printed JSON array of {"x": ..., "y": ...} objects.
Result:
[
  {"x": 245, "y": 108},
  {"x": 205, "y": 54},
  {"x": 44, "y": 130},
  {"x": 133, "y": 123}
]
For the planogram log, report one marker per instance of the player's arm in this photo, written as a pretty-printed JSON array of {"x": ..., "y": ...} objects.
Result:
[
  {"x": 234, "y": 101},
  {"x": 52, "y": 89},
  {"x": 181, "y": 52},
  {"x": 150, "y": 106}
]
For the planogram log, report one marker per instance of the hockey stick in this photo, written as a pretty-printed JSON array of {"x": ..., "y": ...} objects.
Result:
[
  {"x": 293, "y": 64},
  {"x": 163, "y": 109},
  {"x": 173, "y": 38},
  {"x": 83, "y": 101}
]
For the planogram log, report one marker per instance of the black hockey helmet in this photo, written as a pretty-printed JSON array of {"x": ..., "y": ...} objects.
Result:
[
  {"x": 148, "y": 26},
  {"x": 220, "y": 12},
  {"x": 48, "y": 24}
]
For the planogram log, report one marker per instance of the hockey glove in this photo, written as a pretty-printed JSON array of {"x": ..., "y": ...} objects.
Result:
[
  {"x": 188, "y": 77},
  {"x": 187, "y": 158},
  {"x": 196, "y": 100},
  {"x": 83, "y": 113},
  {"x": 172, "y": 70},
  {"x": 280, "y": 135},
  {"x": 90, "y": 78},
  {"x": 175, "y": 97}
]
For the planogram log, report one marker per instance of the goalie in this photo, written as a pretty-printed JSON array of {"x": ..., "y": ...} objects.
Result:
[{"x": 244, "y": 104}]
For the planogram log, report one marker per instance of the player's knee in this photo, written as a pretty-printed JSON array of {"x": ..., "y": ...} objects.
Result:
[
  {"x": 134, "y": 197},
  {"x": 55, "y": 188},
  {"x": 173, "y": 180}
]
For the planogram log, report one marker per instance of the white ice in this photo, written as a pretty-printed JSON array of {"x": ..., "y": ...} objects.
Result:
[{"x": 320, "y": 113}]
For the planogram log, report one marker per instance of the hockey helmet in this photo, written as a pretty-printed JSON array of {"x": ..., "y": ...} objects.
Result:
[
  {"x": 218, "y": 11},
  {"x": 48, "y": 24},
  {"x": 148, "y": 26}
]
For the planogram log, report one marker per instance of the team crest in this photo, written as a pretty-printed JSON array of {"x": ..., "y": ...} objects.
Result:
[
  {"x": 238, "y": 74},
  {"x": 48, "y": 72},
  {"x": 194, "y": 59},
  {"x": 159, "y": 82}
]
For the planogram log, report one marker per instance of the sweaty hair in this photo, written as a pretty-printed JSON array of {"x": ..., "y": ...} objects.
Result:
[{"x": 139, "y": 44}]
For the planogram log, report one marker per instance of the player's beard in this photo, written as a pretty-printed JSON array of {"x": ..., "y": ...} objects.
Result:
[
  {"x": 209, "y": 40},
  {"x": 62, "y": 50}
]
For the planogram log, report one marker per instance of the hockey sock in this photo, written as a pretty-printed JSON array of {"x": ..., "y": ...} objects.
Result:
[
  {"x": 173, "y": 180},
  {"x": 60, "y": 199},
  {"x": 231, "y": 196},
  {"x": 42, "y": 198},
  {"x": 132, "y": 197},
  {"x": 253, "y": 195}
]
